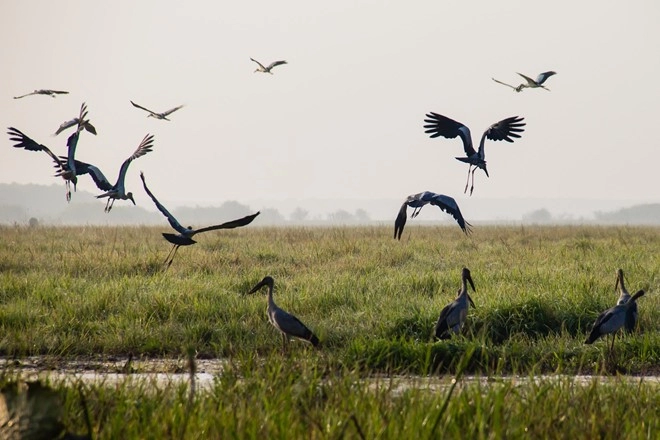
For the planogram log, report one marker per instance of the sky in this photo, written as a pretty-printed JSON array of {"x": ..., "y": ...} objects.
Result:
[{"x": 344, "y": 118}]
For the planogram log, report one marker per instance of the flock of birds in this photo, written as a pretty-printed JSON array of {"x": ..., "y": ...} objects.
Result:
[{"x": 452, "y": 317}]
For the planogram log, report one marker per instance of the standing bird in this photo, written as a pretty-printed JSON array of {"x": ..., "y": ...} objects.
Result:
[
  {"x": 157, "y": 115},
  {"x": 624, "y": 297},
  {"x": 263, "y": 69},
  {"x": 287, "y": 324},
  {"x": 453, "y": 315},
  {"x": 52, "y": 93},
  {"x": 612, "y": 319},
  {"x": 417, "y": 201},
  {"x": 80, "y": 121},
  {"x": 184, "y": 237},
  {"x": 116, "y": 191},
  {"x": 531, "y": 83},
  {"x": 504, "y": 130}
]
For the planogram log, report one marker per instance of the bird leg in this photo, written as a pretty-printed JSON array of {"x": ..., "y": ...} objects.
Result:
[
  {"x": 168, "y": 255},
  {"x": 415, "y": 212},
  {"x": 68, "y": 191},
  {"x": 284, "y": 341},
  {"x": 176, "y": 248},
  {"x": 467, "y": 182},
  {"x": 472, "y": 187}
]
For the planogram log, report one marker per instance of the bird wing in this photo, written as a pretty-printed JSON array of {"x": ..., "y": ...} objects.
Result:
[
  {"x": 275, "y": 63},
  {"x": 172, "y": 110},
  {"x": 449, "y": 205},
  {"x": 65, "y": 125},
  {"x": 143, "y": 108},
  {"x": 142, "y": 149},
  {"x": 260, "y": 65},
  {"x": 291, "y": 325},
  {"x": 442, "y": 325},
  {"x": 229, "y": 225},
  {"x": 24, "y": 141},
  {"x": 27, "y": 94},
  {"x": 97, "y": 176},
  {"x": 52, "y": 92},
  {"x": 438, "y": 125},
  {"x": 544, "y": 76},
  {"x": 503, "y": 83},
  {"x": 173, "y": 221},
  {"x": 89, "y": 127},
  {"x": 529, "y": 80},
  {"x": 400, "y": 221}
]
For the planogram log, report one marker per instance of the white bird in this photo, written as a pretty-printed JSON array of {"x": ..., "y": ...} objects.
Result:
[
  {"x": 531, "y": 83},
  {"x": 48, "y": 92},
  {"x": 287, "y": 324},
  {"x": 624, "y": 297},
  {"x": 116, "y": 191},
  {"x": 263, "y": 69},
  {"x": 80, "y": 121},
  {"x": 184, "y": 236},
  {"x": 612, "y": 319},
  {"x": 153, "y": 114},
  {"x": 417, "y": 201},
  {"x": 453, "y": 315},
  {"x": 504, "y": 130}
]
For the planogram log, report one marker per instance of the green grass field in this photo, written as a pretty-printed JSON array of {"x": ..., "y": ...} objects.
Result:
[{"x": 77, "y": 293}]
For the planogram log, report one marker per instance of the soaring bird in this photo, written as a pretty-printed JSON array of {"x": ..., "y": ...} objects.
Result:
[
  {"x": 48, "y": 92},
  {"x": 62, "y": 165},
  {"x": 417, "y": 201},
  {"x": 624, "y": 297},
  {"x": 116, "y": 191},
  {"x": 184, "y": 237},
  {"x": 453, "y": 315},
  {"x": 612, "y": 319},
  {"x": 504, "y": 130},
  {"x": 80, "y": 121},
  {"x": 287, "y": 324},
  {"x": 531, "y": 83},
  {"x": 263, "y": 69},
  {"x": 158, "y": 115}
]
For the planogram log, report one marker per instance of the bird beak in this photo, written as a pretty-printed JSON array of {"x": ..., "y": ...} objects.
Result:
[
  {"x": 471, "y": 302},
  {"x": 130, "y": 196},
  {"x": 261, "y": 284},
  {"x": 486, "y": 170},
  {"x": 469, "y": 278}
]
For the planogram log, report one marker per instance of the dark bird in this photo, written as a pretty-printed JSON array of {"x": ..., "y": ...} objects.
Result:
[
  {"x": 417, "y": 201},
  {"x": 287, "y": 324},
  {"x": 48, "y": 92},
  {"x": 184, "y": 236},
  {"x": 80, "y": 121},
  {"x": 263, "y": 69},
  {"x": 531, "y": 83},
  {"x": 624, "y": 297},
  {"x": 612, "y": 319},
  {"x": 157, "y": 115},
  {"x": 116, "y": 191},
  {"x": 453, "y": 315},
  {"x": 504, "y": 130}
]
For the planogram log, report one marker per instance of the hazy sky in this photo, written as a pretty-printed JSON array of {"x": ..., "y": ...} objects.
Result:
[{"x": 344, "y": 118}]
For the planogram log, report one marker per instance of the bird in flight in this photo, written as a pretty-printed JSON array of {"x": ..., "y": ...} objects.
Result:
[
  {"x": 184, "y": 236},
  {"x": 152, "y": 114},
  {"x": 418, "y": 201},
  {"x": 48, "y": 92},
  {"x": 530, "y": 83},
  {"x": 116, "y": 191},
  {"x": 263, "y": 69},
  {"x": 80, "y": 121},
  {"x": 504, "y": 130}
]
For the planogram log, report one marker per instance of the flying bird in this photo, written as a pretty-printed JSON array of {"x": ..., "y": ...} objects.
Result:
[
  {"x": 531, "y": 83},
  {"x": 417, "y": 201},
  {"x": 152, "y": 114},
  {"x": 611, "y": 320},
  {"x": 506, "y": 130},
  {"x": 184, "y": 236},
  {"x": 48, "y": 92},
  {"x": 80, "y": 121},
  {"x": 453, "y": 315},
  {"x": 263, "y": 69},
  {"x": 116, "y": 191},
  {"x": 624, "y": 297},
  {"x": 287, "y": 324}
]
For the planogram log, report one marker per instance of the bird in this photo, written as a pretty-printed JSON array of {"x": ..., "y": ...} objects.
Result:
[
  {"x": 80, "y": 121},
  {"x": 531, "y": 83},
  {"x": 612, "y": 319},
  {"x": 116, "y": 191},
  {"x": 61, "y": 163},
  {"x": 152, "y": 114},
  {"x": 453, "y": 315},
  {"x": 624, "y": 297},
  {"x": 417, "y": 201},
  {"x": 506, "y": 129},
  {"x": 48, "y": 92},
  {"x": 263, "y": 69},
  {"x": 184, "y": 237},
  {"x": 287, "y": 324}
]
